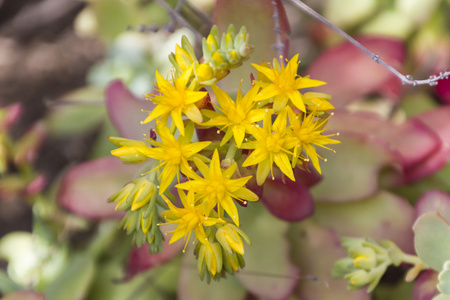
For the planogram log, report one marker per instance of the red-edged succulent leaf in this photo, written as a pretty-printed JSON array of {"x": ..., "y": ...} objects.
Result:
[
  {"x": 124, "y": 110},
  {"x": 353, "y": 172},
  {"x": 437, "y": 120},
  {"x": 402, "y": 138},
  {"x": 436, "y": 201},
  {"x": 257, "y": 17},
  {"x": 290, "y": 201},
  {"x": 425, "y": 286},
  {"x": 12, "y": 115},
  {"x": 141, "y": 260},
  {"x": 24, "y": 295},
  {"x": 443, "y": 90},
  {"x": 384, "y": 216},
  {"x": 86, "y": 187},
  {"x": 315, "y": 250},
  {"x": 350, "y": 73},
  {"x": 271, "y": 275}
]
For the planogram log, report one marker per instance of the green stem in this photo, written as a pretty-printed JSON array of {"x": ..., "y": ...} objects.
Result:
[{"x": 231, "y": 153}]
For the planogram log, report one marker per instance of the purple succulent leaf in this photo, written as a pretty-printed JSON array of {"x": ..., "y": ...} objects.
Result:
[
  {"x": 425, "y": 286},
  {"x": 443, "y": 90},
  {"x": 437, "y": 120},
  {"x": 290, "y": 201},
  {"x": 434, "y": 201},
  {"x": 191, "y": 287},
  {"x": 308, "y": 178},
  {"x": 391, "y": 218},
  {"x": 124, "y": 110},
  {"x": 24, "y": 295},
  {"x": 86, "y": 187},
  {"x": 315, "y": 250},
  {"x": 268, "y": 273},
  {"x": 354, "y": 74},
  {"x": 401, "y": 137},
  {"x": 352, "y": 173}
]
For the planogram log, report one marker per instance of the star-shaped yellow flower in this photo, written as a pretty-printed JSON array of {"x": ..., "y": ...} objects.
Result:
[
  {"x": 173, "y": 154},
  {"x": 190, "y": 217},
  {"x": 308, "y": 133},
  {"x": 236, "y": 117},
  {"x": 284, "y": 84},
  {"x": 217, "y": 187},
  {"x": 175, "y": 100},
  {"x": 272, "y": 145}
]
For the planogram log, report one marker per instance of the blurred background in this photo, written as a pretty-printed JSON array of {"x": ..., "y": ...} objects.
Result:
[{"x": 58, "y": 56}]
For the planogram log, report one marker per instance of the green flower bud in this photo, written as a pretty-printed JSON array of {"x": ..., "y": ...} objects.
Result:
[
  {"x": 365, "y": 258},
  {"x": 358, "y": 279}
]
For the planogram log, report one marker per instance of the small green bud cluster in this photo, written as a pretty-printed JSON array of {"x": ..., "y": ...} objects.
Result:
[
  {"x": 138, "y": 199},
  {"x": 220, "y": 55},
  {"x": 367, "y": 262},
  {"x": 223, "y": 254}
]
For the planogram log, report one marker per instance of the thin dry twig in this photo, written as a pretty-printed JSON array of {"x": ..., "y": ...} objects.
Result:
[{"x": 406, "y": 79}]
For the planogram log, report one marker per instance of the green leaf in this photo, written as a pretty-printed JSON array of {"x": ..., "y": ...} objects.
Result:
[
  {"x": 74, "y": 282},
  {"x": 191, "y": 287},
  {"x": 432, "y": 240},
  {"x": 272, "y": 274}
]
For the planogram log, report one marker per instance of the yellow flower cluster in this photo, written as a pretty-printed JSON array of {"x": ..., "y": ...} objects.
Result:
[{"x": 243, "y": 131}]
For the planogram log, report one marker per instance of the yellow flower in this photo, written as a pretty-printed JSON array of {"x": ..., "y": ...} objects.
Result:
[
  {"x": 217, "y": 187},
  {"x": 284, "y": 84},
  {"x": 271, "y": 146},
  {"x": 175, "y": 100},
  {"x": 173, "y": 154},
  {"x": 236, "y": 117},
  {"x": 308, "y": 133},
  {"x": 190, "y": 217}
]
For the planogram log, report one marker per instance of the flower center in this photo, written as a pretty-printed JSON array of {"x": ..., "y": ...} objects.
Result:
[
  {"x": 274, "y": 143},
  {"x": 173, "y": 156},
  {"x": 236, "y": 115},
  {"x": 305, "y": 135},
  {"x": 216, "y": 188}
]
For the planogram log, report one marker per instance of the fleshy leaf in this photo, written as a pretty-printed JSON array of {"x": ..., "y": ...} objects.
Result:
[
  {"x": 434, "y": 201},
  {"x": 290, "y": 201},
  {"x": 443, "y": 90},
  {"x": 354, "y": 73},
  {"x": 86, "y": 187},
  {"x": 124, "y": 110},
  {"x": 24, "y": 295},
  {"x": 271, "y": 274},
  {"x": 315, "y": 250},
  {"x": 437, "y": 120},
  {"x": 390, "y": 218},
  {"x": 353, "y": 172},
  {"x": 257, "y": 17},
  {"x": 191, "y": 287},
  {"x": 401, "y": 137},
  {"x": 425, "y": 287},
  {"x": 432, "y": 240},
  {"x": 141, "y": 260}
]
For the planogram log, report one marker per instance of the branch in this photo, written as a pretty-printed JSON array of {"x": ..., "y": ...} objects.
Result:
[{"x": 433, "y": 80}]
